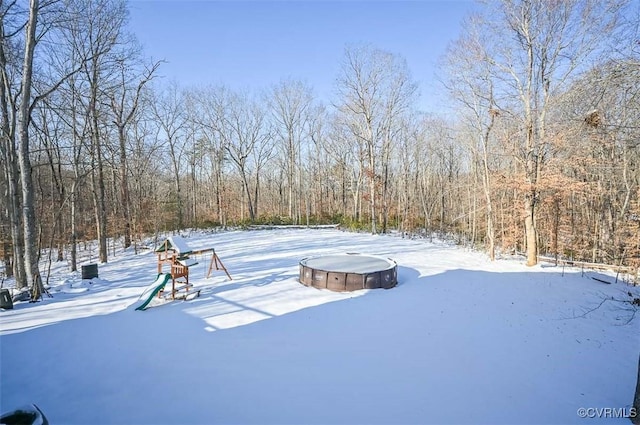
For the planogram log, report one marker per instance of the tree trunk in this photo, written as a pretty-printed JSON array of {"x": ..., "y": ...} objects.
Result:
[
  {"x": 28, "y": 202},
  {"x": 10, "y": 166},
  {"x": 74, "y": 186},
  {"x": 74, "y": 228},
  {"x": 178, "y": 187},
  {"x": 385, "y": 191},
  {"x": 100, "y": 205},
  {"x": 486, "y": 180},
  {"x": 247, "y": 191},
  {"x": 256, "y": 194},
  {"x": 97, "y": 175},
  {"x": 124, "y": 187},
  {"x": 291, "y": 162},
  {"x": 531, "y": 235},
  {"x": 15, "y": 219},
  {"x": 372, "y": 190}
]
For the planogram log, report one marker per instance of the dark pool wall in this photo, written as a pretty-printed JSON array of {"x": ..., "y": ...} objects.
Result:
[{"x": 342, "y": 281}]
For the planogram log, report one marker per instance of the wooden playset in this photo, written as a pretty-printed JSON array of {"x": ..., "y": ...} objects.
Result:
[{"x": 176, "y": 254}]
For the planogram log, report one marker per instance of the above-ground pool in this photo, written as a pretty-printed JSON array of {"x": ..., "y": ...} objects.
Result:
[{"x": 348, "y": 272}]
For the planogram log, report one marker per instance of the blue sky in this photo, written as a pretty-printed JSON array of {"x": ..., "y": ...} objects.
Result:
[{"x": 254, "y": 44}]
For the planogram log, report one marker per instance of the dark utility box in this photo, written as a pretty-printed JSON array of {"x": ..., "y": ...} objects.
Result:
[{"x": 5, "y": 299}]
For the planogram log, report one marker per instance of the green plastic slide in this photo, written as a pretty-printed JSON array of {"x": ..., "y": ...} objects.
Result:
[{"x": 152, "y": 290}]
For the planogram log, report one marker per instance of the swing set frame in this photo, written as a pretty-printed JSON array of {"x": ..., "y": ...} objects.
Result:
[{"x": 175, "y": 252}]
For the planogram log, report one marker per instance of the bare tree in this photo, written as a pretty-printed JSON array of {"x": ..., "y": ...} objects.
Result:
[
  {"x": 169, "y": 110},
  {"x": 97, "y": 34},
  {"x": 374, "y": 88},
  {"x": 290, "y": 102},
  {"x": 241, "y": 125},
  {"x": 9, "y": 98},
  {"x": 209, "y": 115},
  {"x": 32, "y": 273},
  {"x": 470, "y": 82},
  {"x": 124, "y": 105},
  {"x": 538, "y": 47}
]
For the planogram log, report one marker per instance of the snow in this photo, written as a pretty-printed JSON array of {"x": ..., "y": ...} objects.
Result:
[
  {"x": 461, "y": 339},
  {"x": 348, "y": 263},
  {"x": 178, "y": 244}
]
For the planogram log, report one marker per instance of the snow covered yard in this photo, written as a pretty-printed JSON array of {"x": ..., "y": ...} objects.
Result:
[{"x": 459, "y": 340}]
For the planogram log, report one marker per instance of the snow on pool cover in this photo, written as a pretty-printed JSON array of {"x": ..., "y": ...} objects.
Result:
[{"x": 348, "y": 272}]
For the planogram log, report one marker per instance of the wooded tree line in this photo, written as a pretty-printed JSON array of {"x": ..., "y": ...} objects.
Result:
[{"x": 539, "y": 151}]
